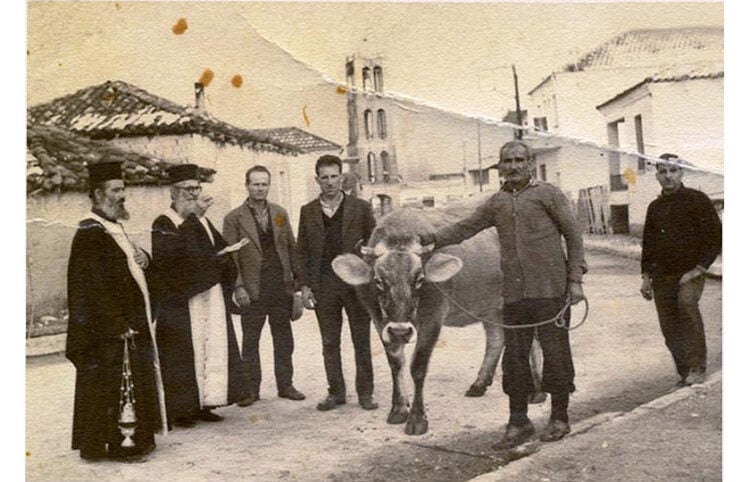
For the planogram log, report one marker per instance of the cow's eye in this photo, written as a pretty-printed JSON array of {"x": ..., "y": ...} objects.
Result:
[
  {"x": 379, "y": 284},
  {"x": 418, "y": 282}
]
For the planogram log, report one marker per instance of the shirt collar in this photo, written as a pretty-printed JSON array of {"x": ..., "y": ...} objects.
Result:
[
  {"x": 682, "y": 186},
  {"x": 101, "y": 214},
  {"x": 532, "y": 183},
  {"x": 257, "y": 206},
  {"x": 173, "y": 216},
  {"x": 333, "y": 205}
]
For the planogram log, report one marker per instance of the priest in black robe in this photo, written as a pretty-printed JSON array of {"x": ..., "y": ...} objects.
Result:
[
  {"x": 199, "y": 352},
  {"x": 109, "y": 306}
]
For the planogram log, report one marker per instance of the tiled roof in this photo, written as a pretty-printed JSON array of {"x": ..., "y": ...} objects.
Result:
[
  {"x": 56, "y": 161},
  {"x": 305, "y": 141},
  {"x": 118, "y": 109},
  {"x": 655, "y": 47},
  {"x": 711, "y": 70}
]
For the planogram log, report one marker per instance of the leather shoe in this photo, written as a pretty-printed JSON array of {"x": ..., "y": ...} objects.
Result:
[
  {"x": 184, "y": 422},
  {"x": 330, "y": 402},
  {"x": 246, "y": 402},
  {"x": 515, "y": 436},
  {"x": 135, "y": 458},
  {"x": 555, "y": 430},
  {"x": 208, "y": 416},
  {"x": 292, "y": 394},
  {"x": 695, "y": 377},
  {"x": 367, "y": 403}
]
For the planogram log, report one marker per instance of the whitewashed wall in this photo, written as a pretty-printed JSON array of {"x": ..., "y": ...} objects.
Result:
[{"x": 51, "y": 223}]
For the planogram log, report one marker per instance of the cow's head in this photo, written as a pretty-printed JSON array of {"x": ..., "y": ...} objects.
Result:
[{"x": 390, "y": 277}]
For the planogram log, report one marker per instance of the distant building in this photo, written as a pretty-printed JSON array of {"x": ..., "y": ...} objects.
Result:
[
  {"x": 679, "y": 110},
  {"x": 402, "y": 150},
  {"x": 563, "y": 110},
  {"x": 134, "y": 120}
]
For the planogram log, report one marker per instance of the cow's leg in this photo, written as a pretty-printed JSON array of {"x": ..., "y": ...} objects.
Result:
[
  {"x": 396, "y": 360},
  {"x": 493, "y": 348},
  {"x": 417, "y": 424},
  {"x": 535, "y": 360}
]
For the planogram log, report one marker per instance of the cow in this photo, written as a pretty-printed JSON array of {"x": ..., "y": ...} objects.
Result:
[{"x": 411, "y": 290}]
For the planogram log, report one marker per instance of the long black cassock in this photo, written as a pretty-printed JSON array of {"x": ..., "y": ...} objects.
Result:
[
  {"x": 104, "y": 300},
  {"x": 187, "y": 267}
]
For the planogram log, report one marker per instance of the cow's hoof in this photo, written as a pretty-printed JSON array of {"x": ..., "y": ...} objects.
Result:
[
  {"x": 416, "y": 426},
  {"x": 476, "y": 390},
  {"x": 397, "y": 417},
  {"x": 538, "y": 397}
]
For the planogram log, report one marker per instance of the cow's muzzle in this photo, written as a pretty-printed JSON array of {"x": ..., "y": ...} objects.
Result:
[{"x": 398, "y": 332}]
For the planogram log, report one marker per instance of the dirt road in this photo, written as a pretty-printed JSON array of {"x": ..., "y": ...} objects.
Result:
[{"x": 620, "y": 359}]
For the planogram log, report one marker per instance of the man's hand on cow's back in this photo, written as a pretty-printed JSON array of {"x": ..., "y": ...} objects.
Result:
[{"x": 575, "y": 292}]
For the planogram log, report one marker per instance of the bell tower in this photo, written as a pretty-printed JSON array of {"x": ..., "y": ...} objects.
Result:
[{"x": 371, "y": 151}]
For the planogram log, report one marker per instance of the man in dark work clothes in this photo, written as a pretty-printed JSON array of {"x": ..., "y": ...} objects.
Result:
[
  {"x": 108, "y": 301},
  {"x": 681, "y": 238}
]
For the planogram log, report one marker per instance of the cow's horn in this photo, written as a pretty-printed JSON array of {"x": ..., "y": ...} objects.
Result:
[{"x": 427, "y": 248}]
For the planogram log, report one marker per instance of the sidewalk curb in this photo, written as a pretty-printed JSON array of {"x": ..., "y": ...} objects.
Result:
[
  {"x": 603, "y": 421},
  {"x": 634, "y": 252}
]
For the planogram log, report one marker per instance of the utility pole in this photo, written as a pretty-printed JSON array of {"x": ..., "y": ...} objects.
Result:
[
  {"x": 479, "y": 153},
  {"x": 519, "y": 119}
]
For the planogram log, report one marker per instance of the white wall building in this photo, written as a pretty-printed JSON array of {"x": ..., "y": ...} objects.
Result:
[
  {"x": 564, "y": 107},
  {"x": 680, "y": 111}
]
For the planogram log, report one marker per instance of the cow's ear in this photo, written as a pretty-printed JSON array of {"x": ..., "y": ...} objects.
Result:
[
  {"x": 352, "y": 269},
  {"x": 441, "y": 267}
]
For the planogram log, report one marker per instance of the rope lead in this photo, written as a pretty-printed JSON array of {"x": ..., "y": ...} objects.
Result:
[{"x": 558, "y": 319}]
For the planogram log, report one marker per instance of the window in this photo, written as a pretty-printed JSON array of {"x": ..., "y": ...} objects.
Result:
[
  {"x": 542, "y": 172},
  {"x": 368, "y": 124},
  {"x": 366, "y": 80},
  {"x": 385, "y": 161},
  {"x": 377, "y": 74},
  {"x": 540, "y": 124},
  {"x": 613, "y": 138},
  {"x": 350, "y": 73},
  {"x": 371, "y": 167},
  {"x": 353, "y": 124},
  {"x": 382, "y": 127},
  {"x": 638, "y": 121}
]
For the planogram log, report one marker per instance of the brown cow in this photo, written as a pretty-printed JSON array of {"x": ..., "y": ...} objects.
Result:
[{"x": 410, "y": 290}]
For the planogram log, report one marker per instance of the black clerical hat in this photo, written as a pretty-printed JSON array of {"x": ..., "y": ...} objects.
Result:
[
  {"x": 104, "y": 171},
  {"x": 183, "y": 172}
]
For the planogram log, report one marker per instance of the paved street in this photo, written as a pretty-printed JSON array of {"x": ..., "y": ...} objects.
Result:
[{"x": 621, "y": 362}]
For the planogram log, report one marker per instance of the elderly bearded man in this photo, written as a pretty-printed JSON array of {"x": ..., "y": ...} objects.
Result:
[
  {"x": 109, "y": 305},
  {"x": 539, "y": 277},
  {"x": 200, "y": 357},
  {"x": 681, "y": 238}
]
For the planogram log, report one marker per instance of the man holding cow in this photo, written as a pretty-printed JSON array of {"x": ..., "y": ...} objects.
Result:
[{"x": 539, "y": 279}]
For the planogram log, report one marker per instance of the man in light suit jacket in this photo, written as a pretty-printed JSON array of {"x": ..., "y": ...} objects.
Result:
[
  {"x": 265, "y": 284},
  {"x": 330, "y": 225}
]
